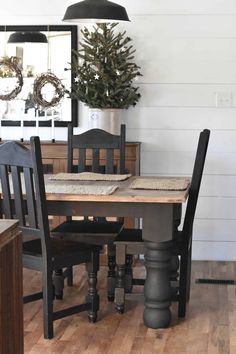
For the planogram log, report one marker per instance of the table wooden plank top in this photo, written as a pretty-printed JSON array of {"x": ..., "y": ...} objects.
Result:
[
  {"x": 6, "y": 227},
  {"x": 123, "y": 194}
]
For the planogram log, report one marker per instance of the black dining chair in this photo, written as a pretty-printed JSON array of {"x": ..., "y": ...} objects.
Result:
[
  {"x": 98, "y": 146},
  {"x": 129, "y": 242},
  {"x": 23, "y": 198}
]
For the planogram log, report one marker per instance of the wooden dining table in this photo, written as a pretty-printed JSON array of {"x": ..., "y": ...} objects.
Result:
[{"x": 154, "y": 207}]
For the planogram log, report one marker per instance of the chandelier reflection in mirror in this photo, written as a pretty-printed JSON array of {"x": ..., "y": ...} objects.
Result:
[{"x": 33, "y": 60}]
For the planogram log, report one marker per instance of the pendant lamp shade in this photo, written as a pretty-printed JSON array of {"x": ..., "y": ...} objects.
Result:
[
  {"x": 30, "y": 37},
  {"x": 95, "y": 11}
]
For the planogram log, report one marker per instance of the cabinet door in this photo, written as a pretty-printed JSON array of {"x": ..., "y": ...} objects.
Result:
[{"x": 11, "y": 294}]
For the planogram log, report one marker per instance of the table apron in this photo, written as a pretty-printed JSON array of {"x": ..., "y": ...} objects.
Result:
[{"x": 157, "y": 217}]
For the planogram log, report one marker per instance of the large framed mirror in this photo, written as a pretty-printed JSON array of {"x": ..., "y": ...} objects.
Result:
[{"x": 35, "y": 58}]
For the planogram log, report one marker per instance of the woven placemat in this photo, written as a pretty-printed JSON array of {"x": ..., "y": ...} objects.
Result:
[
  {"x": 81, "y": 189},
  {"x": 172, "y": 184},
  {"x": 88, "y": 176}
]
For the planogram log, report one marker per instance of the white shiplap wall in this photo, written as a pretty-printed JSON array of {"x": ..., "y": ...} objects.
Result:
[{"x": 187, "y": 51}]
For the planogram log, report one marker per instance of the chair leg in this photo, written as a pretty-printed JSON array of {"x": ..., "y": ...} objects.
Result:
[
  {"x": 128, "y": 273},
  {"x": 174, "y": 274},
  {"x": 92, "y": 297},
  {"x": 183, "y": 285},
  {"x": 189, "y": 274},
  {"x": 58, "y": 282},
  {"x": 47, "y": 304},
  {"x": 120, "y": 280},
  {"x": 111, "y": 276},
  {"x": 120, "y": 289}
]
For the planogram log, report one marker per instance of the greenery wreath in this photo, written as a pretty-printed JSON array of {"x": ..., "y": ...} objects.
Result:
[
  {"x": 9, "y": 67},
  {"x": 42, "y": 80}
]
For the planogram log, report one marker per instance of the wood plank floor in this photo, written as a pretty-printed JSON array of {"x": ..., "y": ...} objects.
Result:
[{"x": 209, "y": 327}]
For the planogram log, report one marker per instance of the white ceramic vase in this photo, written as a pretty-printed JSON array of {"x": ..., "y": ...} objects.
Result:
[{"x": 107, "y": 119}]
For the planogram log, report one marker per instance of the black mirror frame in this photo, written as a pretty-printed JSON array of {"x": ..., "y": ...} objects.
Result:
[{"x": 74, "y": 45}]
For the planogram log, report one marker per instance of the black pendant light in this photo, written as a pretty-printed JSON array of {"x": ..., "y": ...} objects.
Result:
[
  {"x": 95, "y": 11},
  {"x": 30, "y": 37}
]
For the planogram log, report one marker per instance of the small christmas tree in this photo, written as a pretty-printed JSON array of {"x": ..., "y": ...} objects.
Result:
[{"x": 104, "y": 70}]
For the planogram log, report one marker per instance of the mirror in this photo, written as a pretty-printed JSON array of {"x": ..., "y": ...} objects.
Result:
[{"x": 34, "y": 59}]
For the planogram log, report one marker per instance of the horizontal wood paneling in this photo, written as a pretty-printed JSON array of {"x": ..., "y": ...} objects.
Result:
[
  {"x": 182, "y": 95},
  {"x": 187, "y": 53},
  {"x": 183, "y": 140},
  {"x": 169, "y": 27},
  {"x": 188, "y": 71},
  {"x": 218, "y": 185},
  {"x": 214, "y": 251},
  {"x": 213, "y": 208},
  {"x": 172, "y": 162},
  {"x": 134, "y": 7},
  {"x": 199, "y": 49},
  {"x": 27, "y": 7},
  {"x": 203, "y": 230},
  {"x": 182, "y": 6},
  {"x": 179, "y": 118}
]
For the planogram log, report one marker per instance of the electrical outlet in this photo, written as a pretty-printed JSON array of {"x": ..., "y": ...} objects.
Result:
[{"x": 224, "y": 99}]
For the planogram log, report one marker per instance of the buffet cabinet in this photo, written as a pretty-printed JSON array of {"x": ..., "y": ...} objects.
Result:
[
  {"x": 54, "y": 157},
  {"x": 11, "y": 294}
]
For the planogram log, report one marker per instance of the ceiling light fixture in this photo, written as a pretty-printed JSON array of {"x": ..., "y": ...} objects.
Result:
[
  {"x": 95, "y": 11},
  {"x": 30, "y": 37}
]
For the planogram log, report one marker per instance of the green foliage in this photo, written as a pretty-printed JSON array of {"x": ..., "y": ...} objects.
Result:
[{"x": 104, "y": 69}]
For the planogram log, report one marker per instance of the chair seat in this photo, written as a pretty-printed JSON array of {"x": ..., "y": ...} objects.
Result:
[
  {"x": 130, "y": 235},
  {"x": 61, "y": 250},
  {"x": 91, "y": 232}
]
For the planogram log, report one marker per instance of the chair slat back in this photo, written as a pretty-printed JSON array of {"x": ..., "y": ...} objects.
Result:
[
  {"x": 30, "y": 195},
  {"x": 18, "y": 195},
  {"x": 23, "y": 191},
  {"x": 195, "y": 183},
  {"x": 95, "y": 160},
  {"x": 109, "y": 161},
  {"x": 94, "y": 141},
  {"x": 81, "y": 161}
]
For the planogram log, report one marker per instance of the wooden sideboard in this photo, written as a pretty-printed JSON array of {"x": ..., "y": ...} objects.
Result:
[
  {"x": 54, "y": 157},
  {"x": 11, "y": 294}
]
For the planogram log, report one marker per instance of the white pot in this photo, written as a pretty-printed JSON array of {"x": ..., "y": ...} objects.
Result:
[{"x": 107, "y": 119}]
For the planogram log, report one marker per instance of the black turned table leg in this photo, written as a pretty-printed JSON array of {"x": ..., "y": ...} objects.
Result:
[
  {"x": 120, "y": 289},
  {"x": 157, "y": 290}
]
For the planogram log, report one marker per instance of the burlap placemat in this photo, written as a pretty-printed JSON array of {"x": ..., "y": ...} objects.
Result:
[
  {"x": 172, "y": 184},
  {"x": 81, "y": 189},
  {"x": 88, "y": 176}
]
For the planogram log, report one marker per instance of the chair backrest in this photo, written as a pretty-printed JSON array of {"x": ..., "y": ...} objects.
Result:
[
  {"x": 23, "y": 190},
  {"x": 92, "y": 142},
  {"x": 195, "y": 183}
]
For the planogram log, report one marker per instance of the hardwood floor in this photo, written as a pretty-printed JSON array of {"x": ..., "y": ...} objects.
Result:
[{"x": 209, "y": 328}]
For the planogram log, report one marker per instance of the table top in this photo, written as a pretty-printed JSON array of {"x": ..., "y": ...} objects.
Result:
[
  {"x": 123, "y": 194},
  {"x": 6, "y": 234}
]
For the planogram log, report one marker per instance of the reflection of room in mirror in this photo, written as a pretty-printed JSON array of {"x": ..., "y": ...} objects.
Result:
[{"x": 37, "y": 58}]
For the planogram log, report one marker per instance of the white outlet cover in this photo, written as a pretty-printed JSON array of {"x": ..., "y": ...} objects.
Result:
[{"x": 224, "y": 99}]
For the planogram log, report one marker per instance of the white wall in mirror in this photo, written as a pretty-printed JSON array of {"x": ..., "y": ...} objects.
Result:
[{"x": 36, "y": 58}]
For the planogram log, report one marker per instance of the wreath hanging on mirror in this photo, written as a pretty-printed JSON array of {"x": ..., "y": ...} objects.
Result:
[
  {"x": 9, "y": 68},
  {"x": 39, "y": 84}
]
